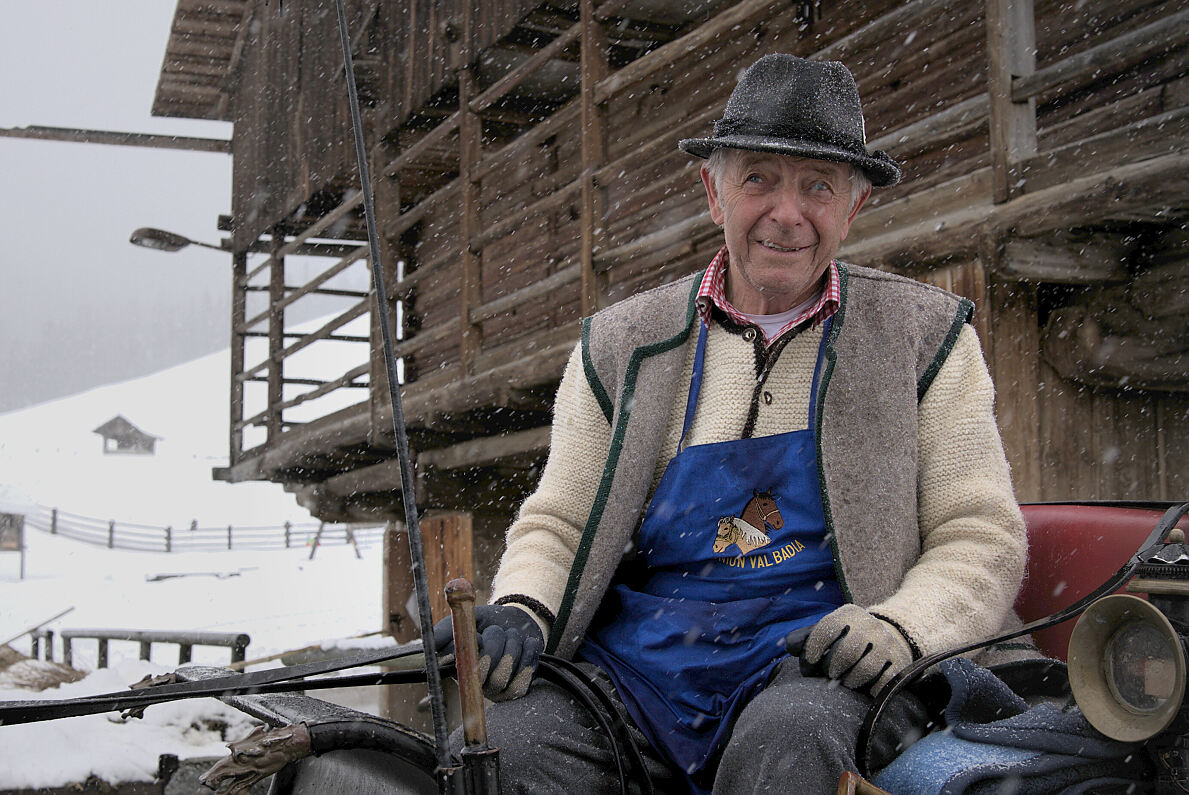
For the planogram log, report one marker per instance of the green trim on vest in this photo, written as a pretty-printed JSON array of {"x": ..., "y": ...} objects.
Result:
[
  {"x": 600, "y": 502},
  {"x": 827, "y": 371},
  {"x": 592, "y": 377},
  {"x": 961, "y": 318}
]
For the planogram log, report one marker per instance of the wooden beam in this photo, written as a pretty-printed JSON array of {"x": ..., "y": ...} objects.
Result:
[
  {"x": 111, "y": 138},
  {"x": 1149, "y": 191},
  {"x": 954, "y": 123},
  {"x": 345, "y": 428},
  {"x": 1011, "y": 49},
  {"x": 480, "y": 452},
  {"x": 594, "y": 154},
  {"x": 434, "y": 137},
  {"x": 239, "y": 299},
  {"x": 521, "y": 215},
  {"x": 449, "y": 554},
  {"x": 724, "y": 23},
  {"x": 535, "y": 291},
  {"x": 1108, "y": 58},
  {"x": 513, "y": 78},
  {"x": 688, "y": 229},
  {"x": 359, "y": 309},
  {"x": 470, "y": 261},
  {"x": 1062, "y": 259},
  {"x": 530, "y": 364},
  {"x": 276, "y": 338},
  {"x": 384, "y": 476},
  {"x": 487, "y": 450}
]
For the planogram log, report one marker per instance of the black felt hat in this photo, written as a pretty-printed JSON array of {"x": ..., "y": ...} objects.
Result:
[{"x": 793, "y": 106}]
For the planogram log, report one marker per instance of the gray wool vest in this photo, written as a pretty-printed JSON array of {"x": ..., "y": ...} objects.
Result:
[{"x": 886, "y": 343}]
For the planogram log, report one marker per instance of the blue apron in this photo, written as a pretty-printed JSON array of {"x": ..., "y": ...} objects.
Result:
[{"x": 732, "y": 556}]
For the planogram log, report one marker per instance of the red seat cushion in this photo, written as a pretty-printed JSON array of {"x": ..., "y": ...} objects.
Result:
[{"x": 1072, "y": 549}]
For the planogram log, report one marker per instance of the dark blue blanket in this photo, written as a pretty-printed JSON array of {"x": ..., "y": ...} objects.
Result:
[{"x": 994, "y": 742}]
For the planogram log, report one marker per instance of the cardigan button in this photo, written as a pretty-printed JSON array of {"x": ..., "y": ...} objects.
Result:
[
  {"x": 767, "y": 398},
  {"x": 749, "y": 334}
]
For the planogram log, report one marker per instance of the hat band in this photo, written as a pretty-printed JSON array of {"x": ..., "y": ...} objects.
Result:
[{"x": 746, "y": 126}]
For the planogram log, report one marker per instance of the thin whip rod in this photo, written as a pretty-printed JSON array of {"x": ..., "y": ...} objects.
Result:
[{"x": 433, "y": 675}]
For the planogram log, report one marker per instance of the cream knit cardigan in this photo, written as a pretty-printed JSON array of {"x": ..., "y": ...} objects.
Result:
[{"x": 973, "y": 542}]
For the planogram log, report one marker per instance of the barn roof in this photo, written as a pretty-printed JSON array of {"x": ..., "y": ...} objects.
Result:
[
  {"x": 205, "y": 41},
  {"x": 118, "y": 427}
]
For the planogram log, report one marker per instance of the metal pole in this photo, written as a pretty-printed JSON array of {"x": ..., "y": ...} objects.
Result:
[{"x": 433, "y": 675}]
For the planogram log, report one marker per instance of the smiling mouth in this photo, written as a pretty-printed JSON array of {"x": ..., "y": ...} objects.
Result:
[{"x": 768, "y": 244}]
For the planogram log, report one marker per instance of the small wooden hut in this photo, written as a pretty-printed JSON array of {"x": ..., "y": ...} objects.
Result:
[
  {"x": 121, "y": 436},
  {"x": 525, "y": 166}
]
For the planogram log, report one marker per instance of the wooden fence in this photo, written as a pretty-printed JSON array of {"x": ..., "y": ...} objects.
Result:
[
  {"x": 237, "y": 642},
  {"x": 195, "y": 538}
]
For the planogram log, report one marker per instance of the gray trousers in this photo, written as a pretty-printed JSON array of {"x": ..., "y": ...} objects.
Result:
[{"x": 797, "y": 735}]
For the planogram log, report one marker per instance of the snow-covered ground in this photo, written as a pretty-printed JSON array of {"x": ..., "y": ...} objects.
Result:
[{"x": 281, "y": 599}]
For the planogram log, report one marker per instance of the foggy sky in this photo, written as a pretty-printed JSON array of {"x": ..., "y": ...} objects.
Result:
[{"x": 79, "y": 305}]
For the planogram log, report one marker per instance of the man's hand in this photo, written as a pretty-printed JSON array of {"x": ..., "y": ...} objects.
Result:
[
  {"x": 510, "y": 643},
  {"x": 862, "y": 651}
]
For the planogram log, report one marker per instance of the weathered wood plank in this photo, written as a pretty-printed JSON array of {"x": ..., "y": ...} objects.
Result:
[
  {"x": 486, "y": 450},
  {"x": 1065, "y": 259},
  {"x": 1097, "y": 63},
  {"x": 118, "y": 138},
  {"x": 1011, "y": 48}
]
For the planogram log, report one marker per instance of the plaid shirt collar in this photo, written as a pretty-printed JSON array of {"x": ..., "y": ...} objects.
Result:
[{"x": 712, "y": 293}]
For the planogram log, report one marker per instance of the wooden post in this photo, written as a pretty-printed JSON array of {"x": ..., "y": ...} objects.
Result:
[
  {"x": 470, "y": 261},
  {"x": 317, "y": 540},
  {"x": 386, "y": 193},
  {"x": 448, "y": 543},
  {"x": 54, "y": 521},
  {"x": 398, "y": 584},
  {"x": 1014, "y": 364},
  {"x": 1011, "y": 49},
  {"x": 239, "y": 305},
  {"x": 185, "y": 652},
  {"x": 111, "y": 534},
  {"x": 49, "y": 645},
  {"x": 146, "y": 649},
  {"x": 169, "y": 539},
  {"x": 229, "y": 536},
  {"x": 101, "y": 660},
  {"x": 276, "y": 336},
  {"x": 67, "y": 652},
  {"x": 594, "y": 68},
  {"x": 288, "y": 528}
]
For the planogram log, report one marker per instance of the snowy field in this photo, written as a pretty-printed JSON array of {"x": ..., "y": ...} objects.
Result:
[{"x": 283, "y": 600}]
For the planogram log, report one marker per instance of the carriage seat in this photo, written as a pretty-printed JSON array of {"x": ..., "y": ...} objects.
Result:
[{"x": 1072, "y": 549}]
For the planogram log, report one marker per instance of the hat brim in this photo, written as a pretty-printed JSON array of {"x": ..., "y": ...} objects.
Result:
[{"x": 878, "y": 166}]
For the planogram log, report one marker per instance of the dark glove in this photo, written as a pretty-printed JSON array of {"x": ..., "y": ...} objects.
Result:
[
  {"x": 510, "y": 643},
  {"x": 861, "y": 650}
]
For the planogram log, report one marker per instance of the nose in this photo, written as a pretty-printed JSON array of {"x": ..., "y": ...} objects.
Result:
[{"x": 787, "y": 208}]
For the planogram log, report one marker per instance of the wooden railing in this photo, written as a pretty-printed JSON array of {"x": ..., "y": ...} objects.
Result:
[{"x": 237, "y": 642}]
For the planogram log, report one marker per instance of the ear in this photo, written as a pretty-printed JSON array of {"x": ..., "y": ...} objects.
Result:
[
  {"x": 716, "y": 213},
  {"x": 850, "y": 216}
]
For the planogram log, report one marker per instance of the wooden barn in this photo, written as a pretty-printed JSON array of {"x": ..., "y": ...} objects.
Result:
[{"x": 524, "y": 160}]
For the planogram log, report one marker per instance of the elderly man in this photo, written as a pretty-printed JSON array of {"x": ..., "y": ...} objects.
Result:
[{"x": 781, "y": 441}]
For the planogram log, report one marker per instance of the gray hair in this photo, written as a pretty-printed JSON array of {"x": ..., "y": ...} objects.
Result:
[{"x": 716, "y": 164}]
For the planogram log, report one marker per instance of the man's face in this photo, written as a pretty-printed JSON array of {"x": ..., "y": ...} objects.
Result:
[{"x": 783, "y": 219}]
